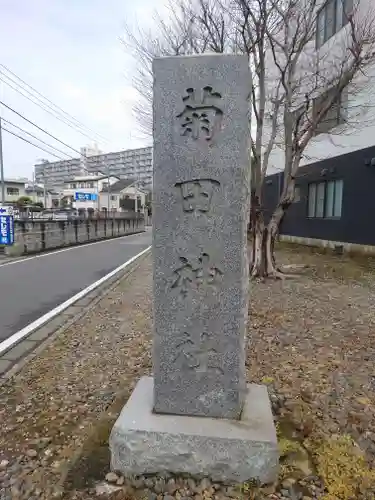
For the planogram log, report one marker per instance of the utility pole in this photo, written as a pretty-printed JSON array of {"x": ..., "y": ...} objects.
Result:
[
  {"x": 2, "y": 166},
  {"x": 2, "y": 180},
  {"x": 35, "y": 198},
  {"x": 44, "y": 189},
  {"x": 109, "y": 192}
]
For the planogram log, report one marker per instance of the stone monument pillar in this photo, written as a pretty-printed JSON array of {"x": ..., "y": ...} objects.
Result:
[{"x": 197, "y": 415}]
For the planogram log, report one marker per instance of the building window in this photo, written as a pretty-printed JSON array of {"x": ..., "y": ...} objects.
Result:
[
  {"x": 331, "y": 18},
  {"x": 337, "y": 200},
  {"x": 90, "y": 184},
  {"x": 113, "y": 197},
  {"x": 13, "y": 191},
  {"x": 330, "y": 196},
  {"x": 325, "y": 199},
  {"x": 73, "y": 185},
  {"x": 336, "y": 114},
  {"x": 319, "y": 204},
  {"x": 297, "y": 195}
]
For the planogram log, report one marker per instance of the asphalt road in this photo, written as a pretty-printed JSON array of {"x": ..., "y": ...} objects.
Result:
[{"x": 32, "y": 287}]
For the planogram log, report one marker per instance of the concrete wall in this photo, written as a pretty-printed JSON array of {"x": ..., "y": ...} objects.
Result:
[
  {"x": 37, "y": 236},
  {"x": 351, "y": 248}
]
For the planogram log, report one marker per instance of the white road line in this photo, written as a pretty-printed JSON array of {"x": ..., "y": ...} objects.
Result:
[
  {"x": 27, "y": 330},
  {"x": 73, "y": 247}
]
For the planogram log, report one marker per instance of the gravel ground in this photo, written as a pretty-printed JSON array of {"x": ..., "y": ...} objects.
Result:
[
  {"x": 48, "y": 410},
  {"x": 312, "y": 343}
]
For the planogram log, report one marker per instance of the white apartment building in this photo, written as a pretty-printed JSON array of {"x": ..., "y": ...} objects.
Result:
[
  {"x": 86, "y": 152},
  {"x": 91, "y": 150},
  {"x": 132, "y": 164},
  {"x": 350, "y": 126},
  {"x": 135, "y": 164}
]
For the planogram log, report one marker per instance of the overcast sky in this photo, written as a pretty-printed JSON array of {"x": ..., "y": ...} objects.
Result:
[{"x": 69, "y": 50}]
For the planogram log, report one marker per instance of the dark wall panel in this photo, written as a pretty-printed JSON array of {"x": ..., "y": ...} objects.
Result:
[{"x": 357, "y": 222}]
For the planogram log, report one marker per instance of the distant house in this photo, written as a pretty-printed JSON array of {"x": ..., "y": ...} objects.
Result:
[
  {"x": 49, "y": 198},
  {"x": 83, "y": 192},
  {"x": 124, "y": 195},
  {"x": 14, "y": 189}
]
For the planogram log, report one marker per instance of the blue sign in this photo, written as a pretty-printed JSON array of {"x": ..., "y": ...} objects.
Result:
[
  {"x": 6, "y": 230},
  {"x": 6, "y": 210},
  {"x": 85, "y": 196}
]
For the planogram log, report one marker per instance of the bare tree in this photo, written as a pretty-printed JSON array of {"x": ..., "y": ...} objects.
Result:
[
  {"x": 295, "y": 86},
  {"x": 190, "y": 28},
  {"x": 313, "y": 82}
]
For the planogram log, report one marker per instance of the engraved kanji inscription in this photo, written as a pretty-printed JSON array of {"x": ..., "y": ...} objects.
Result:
[
  {"x": 184, "y": 276},
  {"x": 198, "y": 355},
  {"x": 201, "y": 116},
  {"x": 197, "y": 194},
  {"x": 193, "y": 275}
]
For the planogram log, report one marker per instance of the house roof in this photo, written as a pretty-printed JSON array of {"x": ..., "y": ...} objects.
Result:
[
  {"x": 15, "y": 181},
  {"x": 118, "y": 186}
]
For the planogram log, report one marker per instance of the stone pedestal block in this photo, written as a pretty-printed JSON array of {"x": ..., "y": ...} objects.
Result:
[{"x": 143, "y": 442}]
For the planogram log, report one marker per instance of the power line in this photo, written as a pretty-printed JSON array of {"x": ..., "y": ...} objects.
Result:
[
  {"x": 52, "y": 103},
  {"x": 40, "y": 128},
  {"x": 37, "y": 138},
  {"x": 43, "y": 106},
  {"x": 29, "y": 142}
]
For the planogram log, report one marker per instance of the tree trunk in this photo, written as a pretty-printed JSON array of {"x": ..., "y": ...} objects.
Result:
[
  {"x": 258, "y": 265},
  {"x": 263, "y": 262},
  {"x": 273, "y": 270},
  {"x": 257, "y": 228}
]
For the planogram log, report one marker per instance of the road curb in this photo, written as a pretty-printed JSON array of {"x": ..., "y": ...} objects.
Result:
[{"x": 14, "y": 359}]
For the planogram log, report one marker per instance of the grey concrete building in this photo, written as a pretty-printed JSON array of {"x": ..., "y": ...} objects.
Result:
[
  {"x": 53, "y": 174},
  {"x": 128, "y": 164}
]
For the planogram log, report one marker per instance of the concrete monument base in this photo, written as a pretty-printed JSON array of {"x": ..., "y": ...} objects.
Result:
[{"x": 143, "y": 442}]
